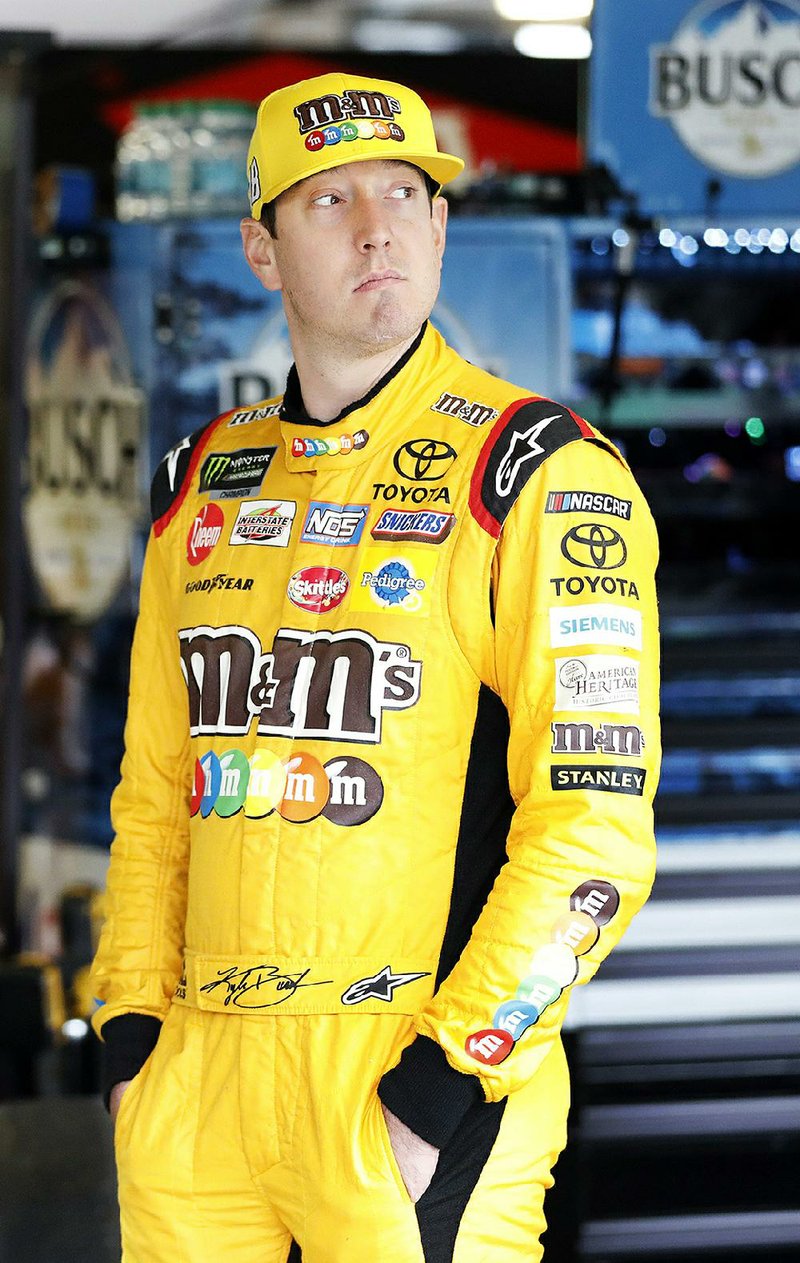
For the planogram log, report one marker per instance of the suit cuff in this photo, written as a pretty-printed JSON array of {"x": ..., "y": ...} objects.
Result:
[
  {"x": 427, "y": 1094},
  {"x": 127, "y": 1043}
]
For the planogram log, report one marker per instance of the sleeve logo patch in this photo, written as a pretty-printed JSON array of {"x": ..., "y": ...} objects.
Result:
[
  {"x": 553, "y": 967},
  {"x": 525, "y": 435}
]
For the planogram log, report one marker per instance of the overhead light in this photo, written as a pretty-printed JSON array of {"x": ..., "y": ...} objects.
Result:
[
  {"x": 390, "y": 36},
  {"x": 564, "y": 42},
  {"x": 544, "y": 10}
]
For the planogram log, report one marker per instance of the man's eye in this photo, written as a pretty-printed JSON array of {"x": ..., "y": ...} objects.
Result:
[
  {"x": 405, "y": 191},
  {"x": 326, "y": 199}
]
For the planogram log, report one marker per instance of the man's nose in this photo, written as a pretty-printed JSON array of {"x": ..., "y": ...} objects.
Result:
[{"x": 373, "y": 230}]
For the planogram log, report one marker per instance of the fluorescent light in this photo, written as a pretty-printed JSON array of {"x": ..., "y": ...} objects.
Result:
[
  {"x": 544, "y": 10},
  {"x": 565, "y": 42},
  {"x": 377, "y": 35}
]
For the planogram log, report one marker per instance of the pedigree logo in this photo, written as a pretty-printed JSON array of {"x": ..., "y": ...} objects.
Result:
[{"x": 355, "y": 103}]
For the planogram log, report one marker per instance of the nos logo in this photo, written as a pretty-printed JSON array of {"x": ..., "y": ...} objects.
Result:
[{"x": 330, "y": 685}]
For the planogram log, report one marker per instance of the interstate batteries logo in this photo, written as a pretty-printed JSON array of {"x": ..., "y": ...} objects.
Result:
[
  {"x": 729, "y": 83},
  {"x": 229, "y": 475},
  {"x": 265, "y": 522}
]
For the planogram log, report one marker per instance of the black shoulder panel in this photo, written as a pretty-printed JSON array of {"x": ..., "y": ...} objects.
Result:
[
  {"x": 171, "y": 479},
  {"x": 527, "y": 433}
]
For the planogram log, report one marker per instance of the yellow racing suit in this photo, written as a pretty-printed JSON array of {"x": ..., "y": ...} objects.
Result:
[{"x": 391, "y": 751}]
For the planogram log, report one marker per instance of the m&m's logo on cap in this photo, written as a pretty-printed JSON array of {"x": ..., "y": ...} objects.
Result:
[{"x": 358, "y": 114}]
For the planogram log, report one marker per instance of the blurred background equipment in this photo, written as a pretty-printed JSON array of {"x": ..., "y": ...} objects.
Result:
[{"x": 625, "y": 237}]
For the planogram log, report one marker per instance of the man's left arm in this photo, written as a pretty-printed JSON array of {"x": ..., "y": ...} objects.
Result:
[{"x": 575, "y": 658}]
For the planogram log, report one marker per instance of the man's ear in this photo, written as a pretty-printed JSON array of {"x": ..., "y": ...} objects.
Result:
[
  {"x": 439, "y": 216},
  {"x": 259, "y": 250}
]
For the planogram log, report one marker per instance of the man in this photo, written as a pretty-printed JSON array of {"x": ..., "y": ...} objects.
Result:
[{"x": 391, "y": 751}]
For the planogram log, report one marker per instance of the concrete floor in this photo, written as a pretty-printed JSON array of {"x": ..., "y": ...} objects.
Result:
[{"x": 58, "y": 1199}]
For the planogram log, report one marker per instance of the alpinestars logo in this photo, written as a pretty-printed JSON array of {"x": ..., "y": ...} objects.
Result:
[
  {"x": 380, "y": 986},
  {"x": 328, "y": 685},
  {"x": 523, "y": 447}
]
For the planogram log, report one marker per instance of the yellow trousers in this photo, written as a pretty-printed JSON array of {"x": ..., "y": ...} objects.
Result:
[{"x": 242, "y": 1133}]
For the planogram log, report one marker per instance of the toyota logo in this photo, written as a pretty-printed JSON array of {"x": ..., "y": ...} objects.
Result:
[
  {"x": 424, "y": 460},
  {"x": 595, "y": 546}
]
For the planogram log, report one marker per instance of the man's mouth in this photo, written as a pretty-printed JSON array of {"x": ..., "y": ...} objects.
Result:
[{"x": 376, "y": 280}]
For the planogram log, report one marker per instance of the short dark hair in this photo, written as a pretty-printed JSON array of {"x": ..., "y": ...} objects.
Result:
[{"x": 269, "y": 210}]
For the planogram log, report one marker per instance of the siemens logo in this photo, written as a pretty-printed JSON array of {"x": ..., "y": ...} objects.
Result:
[{"x": 595, "y": 624}]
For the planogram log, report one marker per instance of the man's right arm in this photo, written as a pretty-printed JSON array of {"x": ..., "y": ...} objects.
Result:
[{"x": 139, "y": 957}]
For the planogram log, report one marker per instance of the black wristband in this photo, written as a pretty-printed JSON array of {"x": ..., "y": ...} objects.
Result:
[
  {"x": 127, "y": 1043},
  {"x": 427, "y": 1094}
]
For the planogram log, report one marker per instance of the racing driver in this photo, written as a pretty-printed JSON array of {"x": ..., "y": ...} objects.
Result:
[{"x": 391, "y": 750}]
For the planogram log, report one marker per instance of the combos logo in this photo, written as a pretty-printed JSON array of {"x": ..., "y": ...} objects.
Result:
[
  {"x": 346, "y": 791},
  {"x": 254, "y": 414},
  {"x": 357, "y": 114},
  {"x": 336, "y": 445},
  {"x": 204, "y": 533},
  {"x": 553, "y": 967},
  {"x": 456, "y": 406},
  {"x": 424, "y": 460},
  {"x": 230, "y": 475},
  {"x": 577, "y": 738},
  {"x": 326, "y": 685},
  {"x": 337, "y": 525},
  {"x": 318, "y": 589},
  {"x": 611, "y": 780},
  {"x": 587, "y": 502},
  {"x": 594, "y": 546},
  {"x": 596, "y": 624},
  {"x": 599, "y": 682},
  {"x": 729, "y": 84},
  {"x": 423, "y": 527},
  {"x": 267, "y": 522},
  {"x": 394, "y": 583}
]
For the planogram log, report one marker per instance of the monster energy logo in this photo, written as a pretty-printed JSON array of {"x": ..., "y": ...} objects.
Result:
[
  {"x": 213, "y": 469},
  {"x": 233, "y": 474}
]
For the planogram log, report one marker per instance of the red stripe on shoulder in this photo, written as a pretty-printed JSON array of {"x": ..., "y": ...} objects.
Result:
[
  {"x": 197, "y": 449},
  {"x": 522, "y": 438},
  {"x": 481, "y": 514}
]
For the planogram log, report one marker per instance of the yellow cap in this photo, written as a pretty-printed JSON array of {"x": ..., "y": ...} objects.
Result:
[{"x": 321, "y": 123}]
